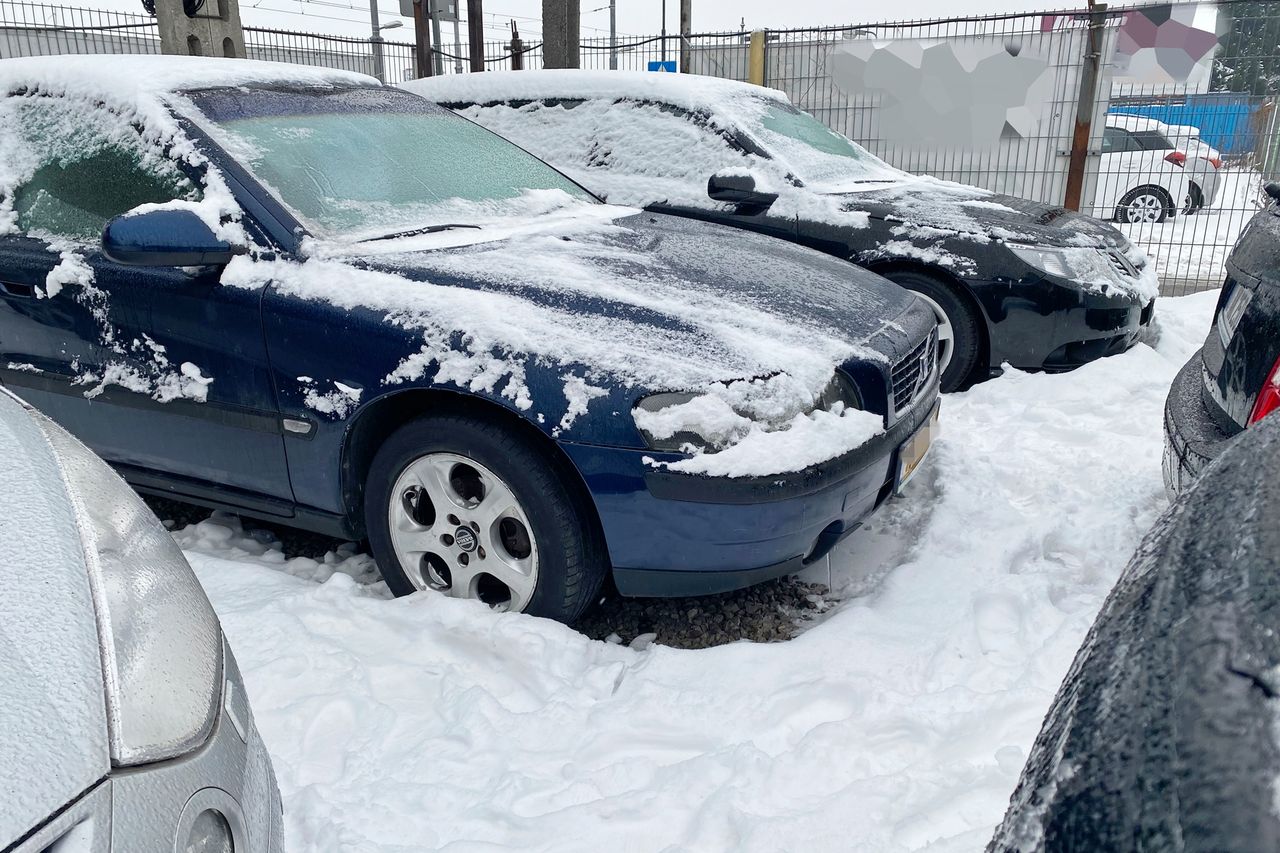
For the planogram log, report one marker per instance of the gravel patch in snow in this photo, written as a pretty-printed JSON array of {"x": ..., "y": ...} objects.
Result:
[{"x": 767, "y": 613}]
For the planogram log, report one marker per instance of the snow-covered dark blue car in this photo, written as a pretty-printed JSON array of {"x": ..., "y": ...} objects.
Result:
[{"x": 299, "y": 295}]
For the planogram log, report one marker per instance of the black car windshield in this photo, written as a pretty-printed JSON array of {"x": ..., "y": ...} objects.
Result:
[
  {"x": 819, "y": 156},
  {"x": 367, "y": 162}
]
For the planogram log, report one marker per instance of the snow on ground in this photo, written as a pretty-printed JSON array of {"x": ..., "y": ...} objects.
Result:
[
  {"x": 1193, "y": 248},
  {"x": 899, "y": 722}
]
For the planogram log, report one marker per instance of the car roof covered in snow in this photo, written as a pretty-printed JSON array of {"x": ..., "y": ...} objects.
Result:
[
  {"x": 121, "y": 79},
  {"x": 690, "y": 91},
  {"x": 1126, "y": 121}
]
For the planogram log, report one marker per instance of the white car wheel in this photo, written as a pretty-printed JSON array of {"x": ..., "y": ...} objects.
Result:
[{"x": 1145, "y": 204}]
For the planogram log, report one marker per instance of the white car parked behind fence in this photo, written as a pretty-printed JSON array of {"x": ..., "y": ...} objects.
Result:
[{"x": 1144, "y": 176}]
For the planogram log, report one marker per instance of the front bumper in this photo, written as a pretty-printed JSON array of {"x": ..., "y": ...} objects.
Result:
[
  {"x": 154, "y": 805},
  {"x": 1056, "y": 327},
  {"x": 673, "y": 534},
  {"x": 1192, "y": 437}
]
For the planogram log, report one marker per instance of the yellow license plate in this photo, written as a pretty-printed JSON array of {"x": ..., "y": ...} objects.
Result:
[{"x": 916, "y": 448}]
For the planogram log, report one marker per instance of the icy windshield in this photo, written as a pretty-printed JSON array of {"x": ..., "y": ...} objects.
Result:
[
  {"x": 362, "y": 163},
  {"x": 818, "y": 156}
]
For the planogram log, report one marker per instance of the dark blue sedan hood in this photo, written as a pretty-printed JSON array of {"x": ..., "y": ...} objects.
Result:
[{"x": 650, "y": 300}]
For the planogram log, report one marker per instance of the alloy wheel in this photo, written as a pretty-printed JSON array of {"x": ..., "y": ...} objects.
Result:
[
  {"x": 1146, "y": 207},
  {"x": 458, "y": 528}
]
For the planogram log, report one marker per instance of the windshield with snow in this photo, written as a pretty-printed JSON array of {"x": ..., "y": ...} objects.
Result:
[
  {"x": 817, "y": 155},
  {"x": 364, "y": 163}
]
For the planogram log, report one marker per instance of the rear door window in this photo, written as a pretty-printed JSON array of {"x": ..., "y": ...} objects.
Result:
[
  {"x": 72, "y": 169},
  {"x": 1152, "y": 140}
]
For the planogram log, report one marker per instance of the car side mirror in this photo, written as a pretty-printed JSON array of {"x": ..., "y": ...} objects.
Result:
[
  {"x": 738, "y": 187},
  {"x": 164, "y": 238}
]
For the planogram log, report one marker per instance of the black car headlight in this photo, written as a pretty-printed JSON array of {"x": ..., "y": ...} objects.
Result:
[
  {"x": 1084, "y": 265},
  {"x": 686, "y": 422}
]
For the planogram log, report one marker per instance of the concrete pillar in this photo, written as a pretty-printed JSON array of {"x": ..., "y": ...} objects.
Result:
[
  {"x": 561, "y": 20},
  {"x": 211, "y": 28}
]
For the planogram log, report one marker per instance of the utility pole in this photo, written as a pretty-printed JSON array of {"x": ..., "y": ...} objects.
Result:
[
  {"x": 437, "y": 59},
  {"x": 375, "y": 39},
  {"x": 457, "y": 48},
  {"x": 192, "y": 30},
  {"x": 517, "y": 49},
  {"x": 613, "y": 35},
  {"x": 664, "y": 30},
  {"x": 561, "y": 21},
  {"x": 421, "y": 39},
  {"x": 686, "y": 27},
  {"x": 475, "y": 33}
]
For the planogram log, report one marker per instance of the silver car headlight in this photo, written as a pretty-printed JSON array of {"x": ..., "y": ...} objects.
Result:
[
  {"x": 161, "y": 641},
  {"x": 685, "y": 422}
]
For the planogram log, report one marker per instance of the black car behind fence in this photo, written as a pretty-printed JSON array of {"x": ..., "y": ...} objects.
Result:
[{"x": 1180, "y": 166}]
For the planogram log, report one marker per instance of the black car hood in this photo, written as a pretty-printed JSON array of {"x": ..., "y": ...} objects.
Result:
[
  {"x": 650, "y": 299},
  {"x": 931, "y": 203}
]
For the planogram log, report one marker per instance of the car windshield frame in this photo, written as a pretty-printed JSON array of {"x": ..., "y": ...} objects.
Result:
[{"x": 216, "y": 111}]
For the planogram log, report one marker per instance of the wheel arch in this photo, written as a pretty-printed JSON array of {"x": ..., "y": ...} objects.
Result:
[
  {"x": 384, "y": 415},
  {"x": 946, "y": 277}
]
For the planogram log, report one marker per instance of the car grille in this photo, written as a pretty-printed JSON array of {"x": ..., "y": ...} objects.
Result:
[
  {"x": 1122, "y": 264},
  {"x": 912, "y": 373}
]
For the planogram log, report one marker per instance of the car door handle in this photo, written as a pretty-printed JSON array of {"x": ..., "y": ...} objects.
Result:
[{"x": 17, "y": 290}]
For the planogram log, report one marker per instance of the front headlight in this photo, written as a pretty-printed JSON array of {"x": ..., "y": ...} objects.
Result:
[
  {"x": 683, "y": 422},
  {"x": 1084, "y": 265},
  {"x": 161, "y": 642},
  {"x": 1052, "y": 261}
]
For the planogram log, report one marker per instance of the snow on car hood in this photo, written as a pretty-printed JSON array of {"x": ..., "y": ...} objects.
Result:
[
  {"x": 644, "y": 301},
  {"x": 927, "y": 202},
  {"x": 52, "y": 709}
]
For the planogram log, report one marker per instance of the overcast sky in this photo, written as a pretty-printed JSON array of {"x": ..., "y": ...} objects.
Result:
[{"x": 351, "y": 17}]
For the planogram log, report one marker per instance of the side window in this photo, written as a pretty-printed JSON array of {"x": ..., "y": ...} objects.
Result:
[
  {"x": 82, "y": 167},
  {"x": 1152, "y": 140},
  {"x": 1113, "y": 140}
]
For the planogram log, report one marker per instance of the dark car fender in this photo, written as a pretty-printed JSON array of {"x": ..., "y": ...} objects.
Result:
[
  {"x": 1162, "y": 736},
  {"x": 335, "y": 370}
]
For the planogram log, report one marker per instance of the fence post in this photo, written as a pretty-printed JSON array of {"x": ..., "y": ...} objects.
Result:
[
  {"x": 755, "y": 58},
  {"x": 1085, "y": 103}
]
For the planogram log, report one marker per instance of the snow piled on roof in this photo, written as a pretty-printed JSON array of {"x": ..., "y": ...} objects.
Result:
[
  {"x": 622, "y": 145},
  {"x": 690, "y": 91},
  {"x": 637, "y": 153},
  {"x": 130, "y": 78}
]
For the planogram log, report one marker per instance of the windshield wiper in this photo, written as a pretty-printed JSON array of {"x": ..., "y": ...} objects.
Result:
[{"x": 428, "y": 229}]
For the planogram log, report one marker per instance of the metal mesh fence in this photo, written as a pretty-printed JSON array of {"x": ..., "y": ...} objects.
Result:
[
  {"x": 1204, "y": 148},
  {"x": 1189, "y": 157}
]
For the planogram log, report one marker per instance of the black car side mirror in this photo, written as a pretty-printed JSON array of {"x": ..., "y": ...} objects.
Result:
[
  {"x": 739, "y": 187},
  {"x": 164, "y": 238}
]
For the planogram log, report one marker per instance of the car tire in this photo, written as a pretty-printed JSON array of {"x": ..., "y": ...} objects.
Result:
[
  {"x": 1195, "y": 199},
  {"x": 959, "y": 334},
  {"x": 533, "y": 543},
  {"x": 1146, "y": 204}
]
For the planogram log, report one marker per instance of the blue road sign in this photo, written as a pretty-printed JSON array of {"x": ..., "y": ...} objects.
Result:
[{"x": 663, "y": 65}]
